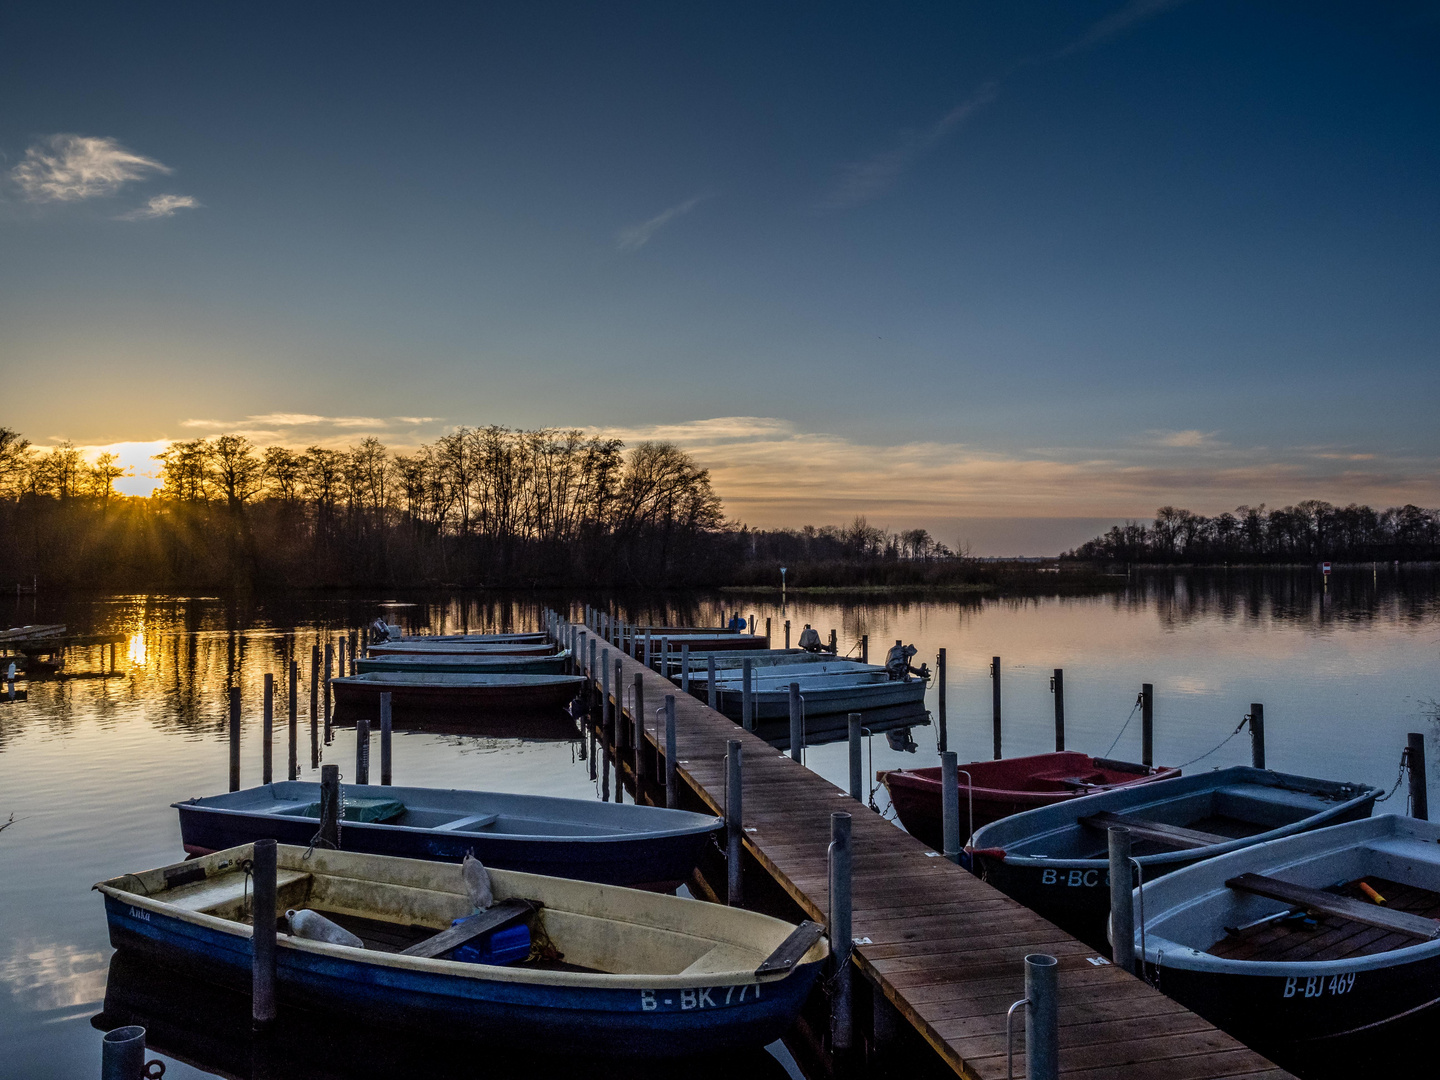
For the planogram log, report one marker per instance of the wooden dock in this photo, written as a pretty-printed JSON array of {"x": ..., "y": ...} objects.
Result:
[{"x": 942, "y": 947}]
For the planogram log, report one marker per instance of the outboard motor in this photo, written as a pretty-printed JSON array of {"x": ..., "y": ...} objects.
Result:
[
  {"x": 379, "y": 630},
  {"x": 810, "y": 639},
  {"x": 897, "y": 664}
]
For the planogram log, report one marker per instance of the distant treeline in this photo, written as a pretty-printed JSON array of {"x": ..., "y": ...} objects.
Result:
[
  {"x": 1309, "y": 531},
  {"x": 485, "y": 506}
]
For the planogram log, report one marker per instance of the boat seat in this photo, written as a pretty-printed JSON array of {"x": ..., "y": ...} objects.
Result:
[
  {"x": 1173, "y": 836},
  {"x": 466, "y": 824},
  {"x": 1343, "y": 907},
  {"x": 482, "y": 922},
  {"x": 226, "y": 888}
]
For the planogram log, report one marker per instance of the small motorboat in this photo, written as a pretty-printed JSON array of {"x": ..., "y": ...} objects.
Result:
[
  {"x": 822, "y": 695},
  {"x": 729, "y": 678},
  {"x": 997, "y": 789},
  {"x": 710, "y": 641},
  {"x": 466, "y": 663},
  {"x": 438, "y": 690},
  {"x": 532, "y": 638},
  {"x": 580, "y": 838},
  {"x": 1055, "y": 860},
  {"x": 608, "y": 971},
  {"x": 1310, "y": 946},
  {"x": 409, "y": 647}
]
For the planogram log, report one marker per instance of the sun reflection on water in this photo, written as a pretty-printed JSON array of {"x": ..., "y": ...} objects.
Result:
[{"x": 136, "y": 648}]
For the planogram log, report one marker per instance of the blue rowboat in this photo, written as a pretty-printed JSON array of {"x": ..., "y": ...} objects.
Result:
[
  {"x": 428, "y": 690},
  {"x": 525, "y": 637},
  {"x": 822, "y": 695},
  {"x": 465, "y": 664},
  {"x": 627, "y": 973},
  {"x": 1282, "y": 945},
  {"x": 614, "y": 843},
  {"x": 411, "y": 647},
  {"x": 1055, "y": 860}
]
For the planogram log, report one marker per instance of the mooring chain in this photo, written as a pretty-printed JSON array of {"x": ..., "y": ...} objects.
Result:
[
  {"x": 1125, "y": 726},
  {"x": 1399, "y": 776}
]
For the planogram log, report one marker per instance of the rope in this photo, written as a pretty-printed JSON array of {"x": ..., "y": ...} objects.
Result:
[{"x": 1133, "y": 710}]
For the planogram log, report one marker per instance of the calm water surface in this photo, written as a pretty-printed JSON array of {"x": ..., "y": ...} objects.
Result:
[{"x": 89, "y": 765}]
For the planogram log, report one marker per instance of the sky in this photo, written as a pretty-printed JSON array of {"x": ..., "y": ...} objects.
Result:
[{"x": 1007, "y": 272}]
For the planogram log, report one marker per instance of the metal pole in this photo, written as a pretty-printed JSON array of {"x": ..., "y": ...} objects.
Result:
[
  {"x": 362, "y": 750},
  {"x": 1257, "y": 735},
  {"x": 856, "y": 762},
  {"x": 685, "y": 668},
  {"x": 995, "y": 701},
  {"x": 1057, "y": 685},
  {"x": 637, "y": 716},
  {"x": 267, "y": 729},
  {"x": 711, "y": 693},
  {"x": 385, "y": 758},
  {"x": 747, "y": 695},
  {"x": 1042, "y": 1018},
  {"x": 950, "y": 805},
  {"x": 1122, "y": 911},
  {"x": 1415, "y": 760},
  {"x": 672, "y": 795},
  {"x": 122, "y": 1051},
  {"x": 293, "y": 716},
  {"x": 330, "y": 806},
  {"x": 734, "y": 827},
  {"x": 797, "y": 728},
  {"x": 841, "y": 935},
  {"x": 1147, "y": 725},
  {"x": 262, "y": 934},
  {"x": 942, "y": 733},
  {"x": 234, "y": 738}
]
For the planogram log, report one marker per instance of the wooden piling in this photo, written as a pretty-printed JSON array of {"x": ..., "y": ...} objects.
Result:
[
  {"x": 267, "y": 732},
  {"x": 637, "y": 718},
  {"x": 1257, "y": 735},
  {"x": 747, "y": 694},
  {"x": 685, "y": 667},
  {"x": 1415, "y": 762},
  {"x": 767, "y": 631},
  {"x": 362, "y": 749},
  {"x": 864, "y": 648},
  {"x": 857, "y": 770},
  {"x": 839, "y": 930},
  {"x": 340, "y": 667},
  {"x": 995, "y": 702},
  {"x": 734, "y": 825},
  {"x": 385, "y": 733},
  {"x": 942, "y": 737},
  {"x": 315, "y": 706},
  {"x": 262, "y": 933},
  {"x": 325, "y": 690},
  {"x": 1057, "y": 687},
  {"x": 292, "y": 715},
  {"x": 234, "y": 738},
  {"x": 711, "y": 693},
  {"x": 1147, "y": 725},
  {"x": 672, "y": 796},
  {"x": 797, "y": 723},
  {"x": 787, "y": 633},
  {"x": 330, "y": 806}
]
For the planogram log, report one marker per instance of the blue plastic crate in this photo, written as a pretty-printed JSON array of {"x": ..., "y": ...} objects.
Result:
[{"x": 508, "y": 946}]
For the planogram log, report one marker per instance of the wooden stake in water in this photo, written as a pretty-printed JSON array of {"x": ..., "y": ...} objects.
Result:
[
  {"x": 637, "y": 717},
  {"x": 942, "y": 733},
  {"x": 797, "y": 723},
  {"x": 329, "y": 669},
  {"x": 995, "y": 702},
  {"x": 1257, "y": 735},
  {"x": 385, "y": 759},
  {"x": 856, "y": 770},
  {"x": 1057, "y": 686},
  {"x": 672, "y": 795},
  {"x": 362, "y": 749},
  {"x": 342, "y": 658},
  {"x": 292, "y": 760},
  {"x": 267, "y": 758},
  {"x": 747, "y": 694},
  {"x": 330, "y": 806},
  {"x": 262, "y": 934},
  {"x": 1415, "y": 762},
  {"x": 787, "y": 633},
  {"x": 1147, "y": 725},
  {"x": 734, "y": 824},
  {"x": 314, "y": 706},
  {"x": 234, "y": 738}
]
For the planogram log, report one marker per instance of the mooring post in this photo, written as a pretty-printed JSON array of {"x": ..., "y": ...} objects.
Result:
[
  {"x": 594, "y": 678},
  {"x": 340, "y": 667},
  {"x": 330, "y": 806},
  {"x": 685, "y": 668},
  {"x": 649, "y": 647},
  {"x": 864, "y": 648},
  {"x": 734, "y": 827},
  {"x": 747, "y": 694},
  {"x": 267, "y": 732},
  {"x": 834, "y": 643},
  {"x": 841, "y": 935},
  {"x": 329, "y": 668},
  {"x": 787, "y": 633},
  {"x": 1415, "y": 762},
  {"x": 637, "y": 717},
  {"x": 604, "y": 699},
  {"x": 1057, "y": 687},
  {"x": 314, "y": 707},
  {"x": 622, "y": 729},
  {"x": 712, "y": 694},
  {"x": 362, "y": 749},
  {"x": 767, "y": 631},
  {"x": 1257, "y": 735},
  {"x": 752, "y": 625},
  {"x": 665, "y": 656},
  {"x": 385, "y": 758},
  {"x": 234, "y": 738},
  {"x": 672, "y": 794},
  {"x": 995, "y": 701},
  {"x": 797, "y": 723},
  {"x": 262, "y": 933},
  {"x": 950, "y": 805},
  {"x": 942, "y": 734},
  {"x": 857, "y": 771},
  {"x": 1147, "y": 725},
  {"x": 354, "y": 654},
  {"x": 292, "y": 771},
  {"x": 122, "y": 1052},
  {"x": 1122, "y": 911},
  {"x": 1042, "y": 1017}
]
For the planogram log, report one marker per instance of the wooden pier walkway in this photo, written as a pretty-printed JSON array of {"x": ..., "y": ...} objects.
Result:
[{"x": 943, "y": 947}]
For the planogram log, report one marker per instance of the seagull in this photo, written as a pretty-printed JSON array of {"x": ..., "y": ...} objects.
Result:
[{"x": 477, "y": 882}]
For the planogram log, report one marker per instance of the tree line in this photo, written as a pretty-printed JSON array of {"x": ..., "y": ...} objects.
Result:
[{"x": 1308, "y": 531}]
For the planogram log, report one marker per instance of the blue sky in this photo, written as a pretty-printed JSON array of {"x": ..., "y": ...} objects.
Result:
[{"x": 951, "y": 265}]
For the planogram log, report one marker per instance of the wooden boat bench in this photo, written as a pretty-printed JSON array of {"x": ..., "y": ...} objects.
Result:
[
  {"x": 466, "y": 824},
  {"x": 1343, "y": 907},
  {"x": 789, "y": 952},
  {"x": 1172, "y": 836},
  {"x": 211, "y": 894},
  {"x": 492, "y": 918}
]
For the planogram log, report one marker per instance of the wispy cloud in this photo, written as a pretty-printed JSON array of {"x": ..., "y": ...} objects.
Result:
[
  {"x": 304, "y": 429},
  {"x": 161, "y": 206},
  {"x": 637, "y": 236},
  {"x": 66, "y": 168},
  {"x": 1117, "y": 22},
  {"x": 861, "y": 181},
  {"x": 1190, "y": 439}
]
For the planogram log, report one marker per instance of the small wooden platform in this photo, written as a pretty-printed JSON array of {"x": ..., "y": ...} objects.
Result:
[{"x": 943, "y": 947}]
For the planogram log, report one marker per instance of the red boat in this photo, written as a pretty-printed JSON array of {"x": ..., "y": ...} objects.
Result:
[{"x": 1008, "y": 786}]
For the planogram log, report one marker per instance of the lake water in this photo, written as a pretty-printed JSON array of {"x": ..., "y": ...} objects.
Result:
[{"x": 89, "y": 765}]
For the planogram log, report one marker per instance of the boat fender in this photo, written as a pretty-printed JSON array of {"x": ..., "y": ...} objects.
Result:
[
  {"x": 477, "y": 882},
  {"x": 313, "y": 926},
  {"x": 996, "y": 853}
]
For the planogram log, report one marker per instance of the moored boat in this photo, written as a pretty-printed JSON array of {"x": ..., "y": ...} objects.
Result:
[
  {"x": 407, "y": 647},
  {"x": 580, "y": 838},
  {"x": 1288, "y": 946},
  {"x": 997, "y": 789},
  {"x": 821, "y": 695},
  {"x": 1055, "y": 859},
  {"x": 466, "y": 663},
  {"x": 614, "y": 971},
  {"x": 529, "y": 637},
  {"x": 437, "y": 690}
]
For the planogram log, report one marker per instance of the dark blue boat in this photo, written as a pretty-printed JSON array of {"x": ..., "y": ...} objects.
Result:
[
  {"x": 641, "y": 974},
  {"x": 618, "y": 844}
]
